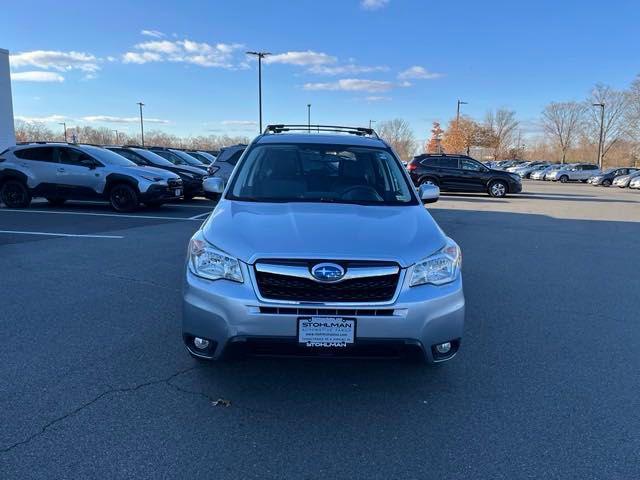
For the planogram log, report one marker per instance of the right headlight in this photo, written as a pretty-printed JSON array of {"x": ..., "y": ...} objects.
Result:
[
  {"x": 440, "y": 268},
  {"x": 208, "y": 262}
]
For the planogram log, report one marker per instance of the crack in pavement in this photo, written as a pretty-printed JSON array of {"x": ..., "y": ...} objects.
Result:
[{"x": 94, "y": 400}]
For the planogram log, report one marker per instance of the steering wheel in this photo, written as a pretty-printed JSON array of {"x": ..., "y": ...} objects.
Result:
[{"x": 360, "y": 192}]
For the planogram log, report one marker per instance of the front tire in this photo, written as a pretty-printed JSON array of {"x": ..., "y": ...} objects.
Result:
[
  {"x": 15, "y": 194},
  {"x": 123, "y": 198},
  {"x": 606, "y": 183},
  {"x": 498, "y": 189},
  {"x": 564, "y": 179}
]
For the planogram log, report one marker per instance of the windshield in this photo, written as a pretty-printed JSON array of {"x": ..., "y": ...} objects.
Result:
[
  {"x": 171, "y": 157},
  {"x": 321, "y": 173},
  {"x": 188, "y": 158},
  {"x": 200, "y": 157},
  {"x": 153, "y": 157},
  {"x": 107, "y": 156}
]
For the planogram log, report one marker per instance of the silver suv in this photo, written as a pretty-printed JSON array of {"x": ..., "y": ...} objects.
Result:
[
  {"x": 575, "y": 172},
  {"x": 61, "y": 171},
  {"x": 320, "y": 244}
]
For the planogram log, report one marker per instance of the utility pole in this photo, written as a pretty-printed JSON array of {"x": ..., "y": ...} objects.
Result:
[
  {"x": 370, "y": 123},
  {"x": 309, "y": 117},
  {"x": 64, "y": 125},
  {"x": 117, "y": 136},
  {"x": 141, "y": 123},
  {"x": 601, "y": 105},
  {"x": 260, "y": 56},
  {"x": 460, "y": 102}
]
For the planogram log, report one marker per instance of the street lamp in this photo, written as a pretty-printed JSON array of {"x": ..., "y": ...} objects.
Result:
[
  {"x": 260, "y": 56},
  {"x": 309, "y": 117},
  {"x": 460, "y": 102},
  {"x": 601, "y": 105},
  {"x": 140, "y": 104},
  {"x": 64, "y": 125},
  {"x": 370, "y": 123}
]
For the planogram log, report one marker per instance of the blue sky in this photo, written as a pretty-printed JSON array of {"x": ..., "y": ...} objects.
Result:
[{"x": 353, "y": 60}]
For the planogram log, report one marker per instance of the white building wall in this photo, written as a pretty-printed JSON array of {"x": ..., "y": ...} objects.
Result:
[{"x": 7, "y": 132}]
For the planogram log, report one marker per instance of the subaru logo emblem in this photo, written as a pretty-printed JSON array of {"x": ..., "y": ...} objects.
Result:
[{"x": 327, "y": 272}]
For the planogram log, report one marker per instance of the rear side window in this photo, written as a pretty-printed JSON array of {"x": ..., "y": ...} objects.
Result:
[
  {"x": 38, "y": 154},
  {"x": 447, "y": 162},
  {"x": 233, "y": 159},
  {"x": 71, "y": 156}
]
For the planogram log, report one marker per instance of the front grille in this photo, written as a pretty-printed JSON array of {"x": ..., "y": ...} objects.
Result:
[
  {"x": 174, "y": 182},
  {"x": 331, "y": 312},
  {"x": 289, "y": 288}
]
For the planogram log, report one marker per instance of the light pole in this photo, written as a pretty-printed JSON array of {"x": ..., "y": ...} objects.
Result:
[
  {"x": 117, "y": 136},
  {"x": 601, "y": 105},
  {"x": 309, "y": 117},
  {"x": 140, "y": 104},
  {"x": 260, "y": 56},
  {"x": 64, "y": 125},
  {"x": 460, "y": 102},
  {"x": 370, "y": 123}
]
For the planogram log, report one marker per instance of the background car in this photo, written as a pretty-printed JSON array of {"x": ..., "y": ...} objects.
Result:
[
  {"x": 541, "y": 174},
  {"x": 191, "y": 176},
  {"x": 226, "y": 161},
  {"x": 623, "y": 181},
  {"x": 526, "y": 171},
  {"x": 185, "y": 158},
  {"x": 460, "y": 173},
  {"x": 204, "y": 157},
  {"x": 635, "y": 183},
  {"x": 579, "y": 172},
  {"x": 606, "y": 178}
]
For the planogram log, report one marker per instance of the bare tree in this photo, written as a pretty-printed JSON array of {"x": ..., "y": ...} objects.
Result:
[
  {"x": 562, "y": 122},
  {"x": 399, "y": 135},
  {"x": 499, "y": 130},
  {"x": 616, "y": 106},
  {"x": 633, "y": 117}
]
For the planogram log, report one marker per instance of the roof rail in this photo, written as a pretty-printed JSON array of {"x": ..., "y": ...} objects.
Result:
[{"x": 360, "y": 131}]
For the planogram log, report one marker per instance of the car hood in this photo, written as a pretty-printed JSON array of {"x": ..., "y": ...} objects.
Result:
[
  {"x": 250, "y": 231},
  {"x": 189, "y": 169},
  {"x": 154, "y": 171}
]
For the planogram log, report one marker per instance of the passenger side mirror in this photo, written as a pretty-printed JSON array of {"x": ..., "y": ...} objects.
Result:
[
  {"x": 213, "y": 185},
  {"x": 429, "y": 193}
]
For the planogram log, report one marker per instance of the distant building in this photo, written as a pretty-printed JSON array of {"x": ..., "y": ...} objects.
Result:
[{"x": 7, "y": 131}]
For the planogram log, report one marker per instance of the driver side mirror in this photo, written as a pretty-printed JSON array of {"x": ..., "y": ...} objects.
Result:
[{"x": 429, "y": 193}]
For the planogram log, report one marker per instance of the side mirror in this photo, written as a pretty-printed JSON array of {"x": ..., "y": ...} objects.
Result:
[
  {"x": 213, "y": 185},
  {"x": 429, "y": 193}
]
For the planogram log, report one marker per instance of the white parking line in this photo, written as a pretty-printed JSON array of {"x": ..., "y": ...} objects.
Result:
[
  {"x": 93, "y": 202},
  {"x": 198, "y": 217},
  {"x": 117, "y": 215},
  {"x": 53, "y": 234}
]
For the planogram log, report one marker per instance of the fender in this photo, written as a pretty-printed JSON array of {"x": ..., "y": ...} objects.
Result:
[
  {"x": 114, "y": 178},
  {"x": 13, "y": 174}
]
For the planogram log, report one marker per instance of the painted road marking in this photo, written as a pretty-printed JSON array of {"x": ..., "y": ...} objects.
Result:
[
  {"x": 52, "y": 234},
  {"x": 198, "y": 217}
]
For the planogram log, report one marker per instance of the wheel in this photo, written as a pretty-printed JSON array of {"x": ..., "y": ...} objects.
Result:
[
  {"x": 56, "y": 201},
  {"x": 606, "y": 183},
  {"x": 15, "y": 194},
  {"x": 497, "y": 189},
  {"x": 564, "y": 179},
  {"x": 154, "y": 204},
  {"x": 123, "y": 198},
  {"x": 429, "y": 181}
]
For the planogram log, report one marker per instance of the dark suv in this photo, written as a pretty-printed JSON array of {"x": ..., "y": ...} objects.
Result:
[{"x": 460, "y": 173}]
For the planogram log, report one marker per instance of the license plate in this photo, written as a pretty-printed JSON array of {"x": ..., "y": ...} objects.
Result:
[
  {"x": 177, "y": 192},
  {"x": 326, "y": 331}
]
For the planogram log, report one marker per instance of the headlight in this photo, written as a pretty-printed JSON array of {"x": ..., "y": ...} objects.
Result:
[
  {"x": 440, "y": 268},
  {"x": 208, "y": 262}
]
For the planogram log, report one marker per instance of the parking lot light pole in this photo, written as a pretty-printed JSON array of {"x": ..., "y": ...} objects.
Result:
[
  {"x": 460, "y": 102},
  {"x": 140, "y": 104},
  {"x": 601, "y": 105},
  {"x": 371, "y": 122},
  {"x": 309, "y": 117},
  {"x": 64, "y": 125},
  {"x": 260, "y": 56}
]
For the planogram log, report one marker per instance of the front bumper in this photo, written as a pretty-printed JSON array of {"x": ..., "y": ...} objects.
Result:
[
  {"x": 229, "y": 313},
  {"x": 515, "y": 187},
  {"x": 161, "y": 193}
]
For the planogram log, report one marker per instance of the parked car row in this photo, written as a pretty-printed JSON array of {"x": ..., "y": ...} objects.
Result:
[{"x": 124, "y": 176}]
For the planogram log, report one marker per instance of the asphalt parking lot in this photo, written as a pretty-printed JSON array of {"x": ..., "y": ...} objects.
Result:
[{"x": 96, "y": 382}]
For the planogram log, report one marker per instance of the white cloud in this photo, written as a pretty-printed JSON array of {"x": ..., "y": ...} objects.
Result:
[
  {"x": 112, "y": 119},
  {"x": 348, "y": 69},
  {"x": 373, "y": 4},
  {"x": 376, "y": 98},
  {"x": 56, "y": 60},
  {"x": 352, "y": 84},
  {"x": 241, "y": 123},
  {"x": 47, "y": 119},
  {"x": 418, "y": 73},
  {"x": 152, "y": 33},
  {"x": 305, "y": 58},
  {"x": 184, "y": 51},
  {"x": 36, "y": 77}
]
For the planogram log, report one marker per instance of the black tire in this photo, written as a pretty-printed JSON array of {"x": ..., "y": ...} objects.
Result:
[
  {"x": 564, "y": 179},
  {"x": 15, "y": 194},
  {"x": 606, "y": 183},
  {"x": 56, "y": 202},
  {"x": 123, "y": 198},
  {"x": 498, "y": 189}
]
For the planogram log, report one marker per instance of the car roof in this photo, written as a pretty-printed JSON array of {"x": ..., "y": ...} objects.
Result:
[{"x": 319, "y": 138}]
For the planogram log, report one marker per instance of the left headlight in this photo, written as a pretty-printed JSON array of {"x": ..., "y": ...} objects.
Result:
[
  {"x": 208, "y": 262},
  {"x": 440, "y": 268}
]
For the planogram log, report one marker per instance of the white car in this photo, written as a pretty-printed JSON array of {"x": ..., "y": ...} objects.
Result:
[
  {"x": 580, "y": 172},
  {"x": 542, "y": 174},
  {"x": 635, "y": 183}
]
